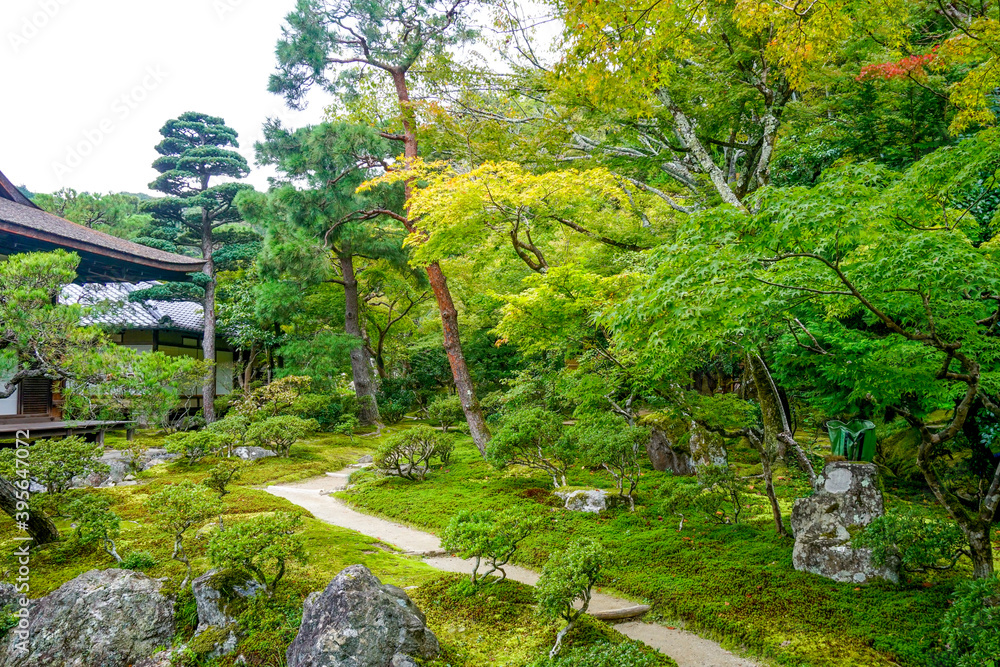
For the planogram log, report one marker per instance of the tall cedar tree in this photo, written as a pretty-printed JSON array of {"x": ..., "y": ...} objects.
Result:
[
  {"x": 195, "y": 150},
  {"x": 328, "y": 43},
  {"x": 324, "y": 219}
]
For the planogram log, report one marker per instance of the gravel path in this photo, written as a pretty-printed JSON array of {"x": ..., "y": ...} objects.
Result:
[{"x": 686, "y": 648}]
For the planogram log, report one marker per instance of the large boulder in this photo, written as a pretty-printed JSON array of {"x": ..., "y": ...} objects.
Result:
[
  {"x": 360, "y": 622},
  {"x": 846, "y": 499},
  {"x": 106, "y": 618}
]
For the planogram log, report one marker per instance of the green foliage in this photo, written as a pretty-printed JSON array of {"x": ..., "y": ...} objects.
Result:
[
  {"x": 567, "y": 577},
  {"x": 408, "y": 453},
  {"x": 224, "y": 473},
  {"x": 626, "y": 654},
  {"x": 274, "y": 399},
  {"x": 196, "y": 445},
  {"x": 261, "y": 545},
  {"x": 96, "y": 522},
  {"x": 138, "y": 560},
  {"x": 280, "y": 433},
  {"x": 488, "y": 536},
  {"x": 615, "y": 446},
  {"x": 972, "y": 625},
  {"x": 719, "y": 496},
  {"x": 347, "y": 426},
  {"x": 177, "y": 508},
  {"x": 443, "y": 450},
  {"x": 234, "y": 428},
  {"x": 54, "y": 463},
  {"x": 445, "y": 412},
  {"x": 532, "y": 437},
  {"x": 915, "y": 543}
]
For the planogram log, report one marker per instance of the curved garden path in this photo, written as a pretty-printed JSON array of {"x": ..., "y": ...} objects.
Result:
[{"x": 686, "y": 648}]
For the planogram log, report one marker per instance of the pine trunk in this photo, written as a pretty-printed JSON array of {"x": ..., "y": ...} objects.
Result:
[
  {"x": 449, "y": 315},
  {"x": 208, "y": 342},
  {"x": 361, "y": 366},
  {"x": 38, "y": 525}
]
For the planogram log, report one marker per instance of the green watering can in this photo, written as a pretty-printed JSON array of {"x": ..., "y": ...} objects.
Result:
[{"x": 854, "y": 441}]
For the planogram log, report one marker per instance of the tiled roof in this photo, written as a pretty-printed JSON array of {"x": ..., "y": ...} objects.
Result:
[
  {"x": 111, "y": 307},
  {"x": 75, "y": 235}
]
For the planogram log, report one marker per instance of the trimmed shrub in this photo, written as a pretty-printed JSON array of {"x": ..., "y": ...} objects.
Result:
[
  {"x": 569, "y": 576},
  {"x": 445, "y": 412},
  {"x": 261, "y": 545},
  {"x": 280, "y": 433},
  {"x": 488, "y": 536},
  {"x": 972, "y": 625},
  {"x": 54, "y": 463},
  {"x": 534, "y": 438},
  {"x": 196, "y": 445},
  {"x": 408, "y": 453}
]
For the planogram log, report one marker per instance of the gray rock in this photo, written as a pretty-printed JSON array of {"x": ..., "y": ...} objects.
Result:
[
  {"x": 594, "y": 501},
  {"x": 154, "y": 462},
  {"x": 359, "y": 622},
  {"x": 9, "y": 597},
  {"x": 117, "y": 471},
  {"x": 106, "y": 618},
  {"x": 253, "y": 453},
  {"x": 846, "y": 499},
  {"x": 366, "y": 459},
  {"x": 665, "y": 455},
  {"x": 707, "y": 448},
  {"x": 218, "y": 595}
]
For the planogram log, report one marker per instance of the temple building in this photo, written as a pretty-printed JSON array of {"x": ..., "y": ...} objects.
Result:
[{"x": 110, "y": 268}]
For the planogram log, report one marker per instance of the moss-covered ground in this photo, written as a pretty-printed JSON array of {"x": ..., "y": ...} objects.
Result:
[
  {"x": 735, "y": 583},
  {"x": 497, "y": 627}
]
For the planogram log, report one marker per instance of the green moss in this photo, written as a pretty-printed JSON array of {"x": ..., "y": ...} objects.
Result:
[
  {"x": 497, "y": 625},
  {"x": 733, "y": 583}
]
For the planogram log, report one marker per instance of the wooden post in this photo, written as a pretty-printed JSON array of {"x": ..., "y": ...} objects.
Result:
[
  {"x": 100, "y": 436},
  {"x": 130, "y": 434}
]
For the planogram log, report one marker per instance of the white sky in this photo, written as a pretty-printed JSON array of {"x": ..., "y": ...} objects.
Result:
[{"x": 102, "y": 76}]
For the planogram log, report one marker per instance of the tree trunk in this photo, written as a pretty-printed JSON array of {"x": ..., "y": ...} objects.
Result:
[
  {"x": 208, "y": 342},
  {"x": 981, "y": 548},
  {"x": 765, "y": 462},
  {"x": 39, "y": 526},
  {"x": 449, "y": 315},
  {"x": 361, "y": 366}
]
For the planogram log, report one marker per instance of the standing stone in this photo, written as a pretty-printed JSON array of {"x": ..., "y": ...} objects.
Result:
[
  {"x": 220, "y": 597},
  {"x": 360, "y": 622},
  {"x": 105, "y": 618},
  {"x": 846, "y": 500},
  {"x": 665, "y": 456}
]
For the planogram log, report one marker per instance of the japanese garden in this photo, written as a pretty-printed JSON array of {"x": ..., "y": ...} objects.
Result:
[{"x": 564, "y": 333}]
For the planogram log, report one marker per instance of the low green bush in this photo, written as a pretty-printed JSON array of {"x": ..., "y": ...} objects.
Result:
[
  {"x": 281, "y": 432},
  {"x": 445, "y": 412},
  {"x": 569, "y": 576},
  {"x": 626, "y": 654},
  {"x": 488, "y": 536},
  {"x": 408, "y": 453},
  {"x": 196, "y": 445},
  {"x": 140, "y": 560},
  {"x": 914, "y": 543},
  {"x": 261, "y": 545},
  {"x": 972, "y": 625}
]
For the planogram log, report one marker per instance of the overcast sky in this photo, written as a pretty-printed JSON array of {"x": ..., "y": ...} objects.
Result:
[{"x": 88, "y": 83}]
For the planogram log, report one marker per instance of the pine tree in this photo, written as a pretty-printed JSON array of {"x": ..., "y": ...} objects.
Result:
[
  {"x": 196, "y": 149},
  {"x": 330, "y": 43}
]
